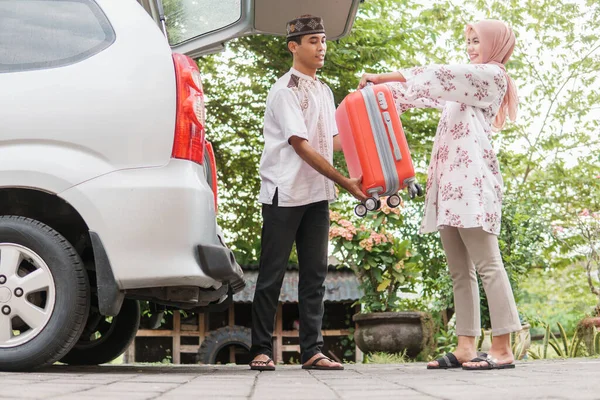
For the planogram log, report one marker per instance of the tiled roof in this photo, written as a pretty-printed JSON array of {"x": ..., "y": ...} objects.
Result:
[{"x": 339, "y": 286}]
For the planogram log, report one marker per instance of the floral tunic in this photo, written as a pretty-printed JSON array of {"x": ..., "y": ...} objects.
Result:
[{"x": 464, "y": 185}]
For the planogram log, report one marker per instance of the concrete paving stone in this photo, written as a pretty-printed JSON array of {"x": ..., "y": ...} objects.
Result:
[
  {"x": 82, "y": 381},
  {"x": 299, "y": 396},
  {"x": 291, "y": 389},
  {"x": 199, "y": 396},
  {"x": 139, "y": 387},
  {"x": 26, "y": 377},
  {"x": 232, "y": 386},
  {"x": 287, "y": 390},
  {"x": 210, "y": 394},
  {"x": 42, "y": 390},
  {"x": 213, "y": 382},
  {"x": 241, "y": 389},
  {"x": 8, "y": 382},
  {"x": 568, "y": 379},
  {"x": 108, "y": 396},
  {"x": 367, "y": 393},
  {"x": 16, "y": 394},
  {"x": 161, "y": 379},
  {"x": 197, "y": 386},
  {"x": 362, "y": 385},
  {"x": 461, "y": 393},
  {"x": 389, "y": 396}
]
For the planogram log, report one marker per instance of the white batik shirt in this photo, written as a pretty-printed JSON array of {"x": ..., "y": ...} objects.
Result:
[
  {"x": 464, "y": 185},
  {"x": 297, "y": 105}
]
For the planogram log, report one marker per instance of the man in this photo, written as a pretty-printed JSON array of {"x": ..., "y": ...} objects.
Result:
[{"x": 297, "y": 173}]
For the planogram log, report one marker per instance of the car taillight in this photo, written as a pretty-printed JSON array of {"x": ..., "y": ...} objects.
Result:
[
  {"x": 210, "y": 167},
  {"x": 189, "y": 124}
]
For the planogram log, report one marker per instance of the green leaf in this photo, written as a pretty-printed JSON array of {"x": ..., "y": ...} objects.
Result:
[
  {"x": 575, "y": 344},
  {"x": 379, "y": 220},
  {"x": 564, "y": 337},
  {"x": 546, "y": 341},
  {"x": 557, "y": 349},
  {"x": 556, "y": 346},
  {"x": 387, "y": 259},
  {"x": 384, "y": 285}
]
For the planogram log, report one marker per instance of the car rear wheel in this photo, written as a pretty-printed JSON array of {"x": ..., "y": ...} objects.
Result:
[
  {"x": 105, "y": 338},
  {"x": 44, "y": 294}
]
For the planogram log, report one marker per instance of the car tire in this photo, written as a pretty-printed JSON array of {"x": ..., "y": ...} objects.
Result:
[
  {"x": 221, "y": 338},
  {"x": 115, "y": 336},
  {"x": 38, "y": 267}
]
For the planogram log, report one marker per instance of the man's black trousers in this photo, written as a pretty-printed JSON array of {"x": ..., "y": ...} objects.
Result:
[{"x": 308, "y": 226}]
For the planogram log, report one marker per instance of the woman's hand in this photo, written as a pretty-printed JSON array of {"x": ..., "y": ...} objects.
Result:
[
  {"x": 380, "y": 78},
  {"x": 374, "y": 78}
]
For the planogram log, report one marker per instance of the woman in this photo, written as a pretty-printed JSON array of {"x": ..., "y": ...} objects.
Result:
[{"x": 464, "y": 185}]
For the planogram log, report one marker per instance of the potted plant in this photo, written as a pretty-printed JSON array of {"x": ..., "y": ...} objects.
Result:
[{"x": 386, "y": 268}]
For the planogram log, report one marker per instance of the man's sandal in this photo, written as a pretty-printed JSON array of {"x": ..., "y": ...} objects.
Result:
[
  {"x": 446, "y": 362},
  {"x": 259, "y": 365},
  {"x": 491, "y": 363},
  {"x": 314, "y": 365}
]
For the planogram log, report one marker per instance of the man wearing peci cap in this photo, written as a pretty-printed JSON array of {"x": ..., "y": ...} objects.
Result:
[{"x": 297, "y": 185}]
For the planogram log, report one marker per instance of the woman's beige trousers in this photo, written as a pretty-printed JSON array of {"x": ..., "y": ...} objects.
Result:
[{"x": 469, "y": 250}]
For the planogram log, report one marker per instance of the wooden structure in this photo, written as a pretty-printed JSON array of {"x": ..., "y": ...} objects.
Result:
[
  {"x": 341, "y": 291},
  {"x": 181, "y": 330}
]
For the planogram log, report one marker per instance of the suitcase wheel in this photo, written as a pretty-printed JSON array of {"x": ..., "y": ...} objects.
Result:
[
  {"x": 393, "y": 201},
  {"x": 360, "y": 210},
  {"x": 372, "y": 204},
  {"x": 419, "y": 189},
  {"x": 414, "y": 190}
]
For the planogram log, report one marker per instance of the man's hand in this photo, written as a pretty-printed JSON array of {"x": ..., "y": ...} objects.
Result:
[{"x": 352, "y": 185}]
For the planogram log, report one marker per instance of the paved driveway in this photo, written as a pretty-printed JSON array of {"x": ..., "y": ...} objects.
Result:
[{"x": 570, "y": 379}]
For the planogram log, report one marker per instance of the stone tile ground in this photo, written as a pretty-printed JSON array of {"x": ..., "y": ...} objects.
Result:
[{"x": 561, "y": 379}]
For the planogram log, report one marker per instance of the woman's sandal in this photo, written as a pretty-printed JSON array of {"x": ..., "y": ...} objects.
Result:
[
  {"x": 491, "y": 364},
  {"x": 259, "y": 365},
  {"x": 314, "y": 365},
  {"x": 446, "y": 362}
]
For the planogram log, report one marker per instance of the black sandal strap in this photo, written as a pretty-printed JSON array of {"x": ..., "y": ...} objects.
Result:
[
  {"x": 314, "y": 363},
  {"x": 478, "y": 359},
  {"x": 491, "y": 362},
  {"x": 448, "y": 360}
]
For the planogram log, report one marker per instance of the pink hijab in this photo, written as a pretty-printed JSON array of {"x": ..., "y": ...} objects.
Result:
[{"x": 496, "y": 44}]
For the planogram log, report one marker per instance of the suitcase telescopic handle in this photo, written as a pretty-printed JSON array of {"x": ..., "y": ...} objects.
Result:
[{"x": 390, "y": 130}]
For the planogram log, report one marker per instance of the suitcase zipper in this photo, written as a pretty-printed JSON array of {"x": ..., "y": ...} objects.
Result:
[{"x": 380, "y": 134}]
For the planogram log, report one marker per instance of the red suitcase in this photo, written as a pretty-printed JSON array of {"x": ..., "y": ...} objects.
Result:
[{"x": 375, "y": 147}]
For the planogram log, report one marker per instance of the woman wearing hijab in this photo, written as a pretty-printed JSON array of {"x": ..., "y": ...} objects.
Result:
[{"x": 464, "y": 186}]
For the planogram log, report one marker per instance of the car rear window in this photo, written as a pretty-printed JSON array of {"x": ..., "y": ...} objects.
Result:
[
  {"x": 39, "y": 34},
  {"x": 187, "y": 19}
]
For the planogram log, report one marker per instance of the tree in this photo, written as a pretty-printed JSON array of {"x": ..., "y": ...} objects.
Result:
[
  {"x": 238, "y": 81},
  {"x": 549, "y": 156}
]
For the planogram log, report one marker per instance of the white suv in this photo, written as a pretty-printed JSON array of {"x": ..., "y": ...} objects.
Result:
[{"x": 108, "y": 189}]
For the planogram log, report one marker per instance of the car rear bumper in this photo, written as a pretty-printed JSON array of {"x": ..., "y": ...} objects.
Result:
[
  {"x": 218, "y": 262},
  {"x": 158, "y": 227}
]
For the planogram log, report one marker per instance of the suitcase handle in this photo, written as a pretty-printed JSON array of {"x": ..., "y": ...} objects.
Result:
[{"x": 390, "y": 130}]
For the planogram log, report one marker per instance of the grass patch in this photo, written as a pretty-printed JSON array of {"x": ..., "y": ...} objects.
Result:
[{"x": 387, "y": 358}]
